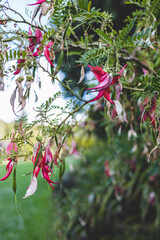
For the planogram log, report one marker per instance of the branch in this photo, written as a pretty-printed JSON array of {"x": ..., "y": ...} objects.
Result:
[
  {"x": 74, "y": 111},
  {"x": 20, "y": 21},
  {"x": 64, "y": 85},
  {"x": 133, "y": 58}
]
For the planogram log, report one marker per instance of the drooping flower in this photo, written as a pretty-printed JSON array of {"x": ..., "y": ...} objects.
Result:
[
  {"x": 106, "y": 168},
  {"x": 152, "y": 198},
  {"x": 47, "y": 55},
  {"x": 38, "y": 2},
  {"x": 40, "y": 50},
  {"x": 19, "y": 65},
  {"x": 40, "y": 163},
  {"x": 105, "y": 81},
  {"x": 38, "y": 35},
  {"x": 148, "y": 111},
  {"x": 74, "y": 151},
  {"x": 11, "y": 149}
]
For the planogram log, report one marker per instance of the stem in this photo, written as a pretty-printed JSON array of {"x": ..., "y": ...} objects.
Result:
[
  {"x": 64, "y": 85},
  {"x": 70, "y": 114},
  {"x": 134, "y": 89}
]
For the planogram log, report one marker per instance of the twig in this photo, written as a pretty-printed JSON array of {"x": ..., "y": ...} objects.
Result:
[{"x": 133, "y": 58}]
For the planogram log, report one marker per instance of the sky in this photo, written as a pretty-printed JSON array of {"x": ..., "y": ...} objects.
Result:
[{"x": 47, "y": 90}]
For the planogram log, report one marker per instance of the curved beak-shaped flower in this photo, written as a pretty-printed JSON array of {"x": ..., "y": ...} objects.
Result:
[
  {"x": 11, "y": 149},
  {"x": 105, "y": 81},
  {"x": 47, "y": 55},
  {"x": 38, "y": 2},
  {"x": 40, "y": 163},
  {"x": 19, "y": 65},
  {"x": 38, "y": 35},
  {"x": 46, "y": 52},
  {"x": 74, "y": 151}
]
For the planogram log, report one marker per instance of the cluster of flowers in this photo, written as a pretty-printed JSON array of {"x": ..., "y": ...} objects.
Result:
[
  {"x": 105, "y": 81},
  {"x": 40, "y": 162},
  {"x": 40, "y": 49}
]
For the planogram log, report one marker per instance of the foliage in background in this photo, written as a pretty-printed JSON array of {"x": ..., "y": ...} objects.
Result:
[{"x": 115, "y": 192}]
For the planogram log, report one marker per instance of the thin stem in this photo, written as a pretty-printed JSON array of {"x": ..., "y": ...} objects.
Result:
[{"x": 70, "y": 114}]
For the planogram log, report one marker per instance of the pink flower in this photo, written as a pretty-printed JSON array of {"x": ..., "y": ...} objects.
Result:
[
  {"x": 19, "y": 66},
  {"x": 39, "y": 51},
  {"x": 40, "y": 163},
  {"x": 38, "y": 2},
  {"x": 38, "y": 35},
  {"x": 152, "y": 198},
  {"x": 148, "y": 112},
  {"x": 11, "y": 149},
  {"x": 106, "y": 168},
  {"x": 105, "y": 81},
  {"x": 47, "y": 55},
  {"x": 74, "y": 150},
  {"x": 2, "y": 23}
]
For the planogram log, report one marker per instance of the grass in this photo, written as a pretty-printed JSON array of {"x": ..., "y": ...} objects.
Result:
[{"x": 31, "y": 218}]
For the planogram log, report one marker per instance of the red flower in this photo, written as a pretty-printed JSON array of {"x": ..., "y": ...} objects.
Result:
[
  {"x": 40, "y": 163},
  {"x": 148, "y": 111},
  {"x": 19, "y": 66},
  {"x": 11, "y": 149},
  {"x": 106, "y": 168},
  {"x": 74, "y": 151},
  {"x": 105, "y": 81},
  {"x": 38, "y": 2},
  {"x": 39, "y": 51}
]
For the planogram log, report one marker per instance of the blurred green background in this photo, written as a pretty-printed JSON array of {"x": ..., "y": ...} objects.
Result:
[{"x": 109, "y": 192}]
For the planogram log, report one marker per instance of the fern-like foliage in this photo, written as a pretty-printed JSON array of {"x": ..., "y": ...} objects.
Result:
[
  {"x": 104, "y": 37},
  {"x": 126, "y": 30},
  {"x": 94, "y": 56}
]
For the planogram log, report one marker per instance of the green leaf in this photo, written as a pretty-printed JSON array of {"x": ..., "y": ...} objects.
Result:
[
  {"x": 60, "y": 59},
  {"x": 126, "y": 30},
  {"x": 14, "y": 54},
  {"x": 14, "y": 184},
  {"x": 89, "y": 6},
  {"x": 10, "y": 54},
  {"x": 7, "y": 57},
  {"x": 105, "y": 37},
  {"x": 18, "y": 53},
  {"x": 1, "y": 56}
]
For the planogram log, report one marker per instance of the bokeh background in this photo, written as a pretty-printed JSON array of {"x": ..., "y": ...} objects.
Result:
[{"x": 108, "y": 190}]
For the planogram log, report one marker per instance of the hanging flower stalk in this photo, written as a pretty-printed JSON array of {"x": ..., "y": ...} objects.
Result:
[
  {"x": 38, "y": 2},
  {"x": 41, "y": 162},
  {"x": 12, "y": 151},
  {"x": 105, "y": 81}
]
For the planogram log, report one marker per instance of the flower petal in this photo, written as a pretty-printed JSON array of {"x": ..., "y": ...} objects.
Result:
[
  {"x": 30, "y": 33},
  {"x": 107, "y": 95},
  {"x": 98, "y": 72},
  {"x": 9, "y": 168},
  {"x": 48, "y": 154},
  {"x": 47, "y": 54},
  {"x": 38, "y": 35},
  {"x": 115, "y": 79},
  {"x": 45, "y": 172},
  {"x": 11, "y": 146},
  {"x": 32, "y": 187},
  {"x": 49, "y": 44},
  {"x": 100, "y": 94},
  {"x": 38, "y": 52},
  {"x": 38, "y": 2},
  {"x": 106, "y": 81},
  {"x": 118, "y": 106}
]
